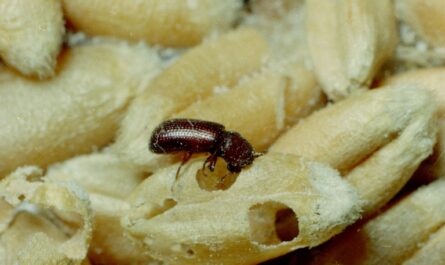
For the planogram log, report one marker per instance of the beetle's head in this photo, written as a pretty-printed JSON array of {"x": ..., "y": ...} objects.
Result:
[{"x": 236, "y": 151}]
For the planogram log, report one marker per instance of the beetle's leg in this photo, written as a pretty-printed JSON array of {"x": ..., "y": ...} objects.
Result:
[
  {"x": 185, "y": 158},
  {"x": 211, "y": 160}
]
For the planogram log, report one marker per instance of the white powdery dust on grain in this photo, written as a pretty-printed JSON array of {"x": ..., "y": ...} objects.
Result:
[
  {"x": 341, "y": 202},
  {"x": 282, "y": 24},
  {"x": 413, "y": 53}
]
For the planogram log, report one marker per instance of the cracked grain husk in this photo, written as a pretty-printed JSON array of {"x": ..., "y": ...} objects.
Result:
[
  {"x": 52, "y": 247},
  {"x": 108, "y": 181}
]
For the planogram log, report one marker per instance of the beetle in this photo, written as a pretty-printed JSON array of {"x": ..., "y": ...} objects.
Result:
[{"x": 198, "y": 136}]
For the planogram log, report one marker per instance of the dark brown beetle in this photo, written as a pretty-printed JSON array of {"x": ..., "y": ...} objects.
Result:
[{"x": 197, "y": 136}]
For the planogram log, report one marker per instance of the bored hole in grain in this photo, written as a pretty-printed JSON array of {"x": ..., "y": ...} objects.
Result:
[
  {"x": 219, "y": 179},
  {"x": 286, "y": 224},
  {"x": 272, "y": 223}
]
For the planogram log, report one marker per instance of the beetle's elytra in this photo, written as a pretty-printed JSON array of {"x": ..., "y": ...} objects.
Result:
[{"x": 196, "y": 136}]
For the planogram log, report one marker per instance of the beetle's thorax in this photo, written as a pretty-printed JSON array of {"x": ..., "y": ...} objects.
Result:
[{"x": 236, "y": 151}]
